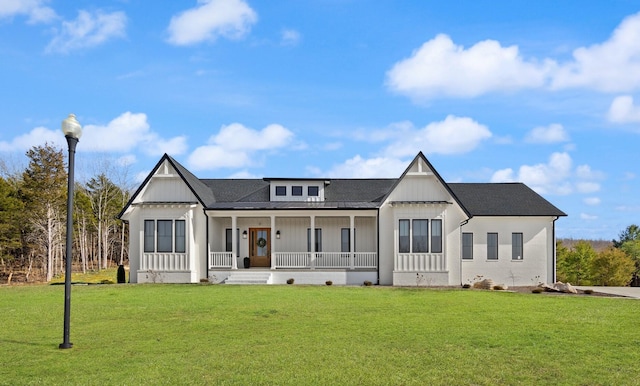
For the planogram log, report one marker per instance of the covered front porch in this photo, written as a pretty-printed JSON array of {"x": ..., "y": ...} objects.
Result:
[{"x": 342, "y": 241}]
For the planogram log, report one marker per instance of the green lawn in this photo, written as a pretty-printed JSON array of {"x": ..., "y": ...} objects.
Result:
[{"x": 219, "y": 334}]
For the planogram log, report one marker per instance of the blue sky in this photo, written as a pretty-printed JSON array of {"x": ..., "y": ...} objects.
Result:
[{"x": 543, "y": 92}]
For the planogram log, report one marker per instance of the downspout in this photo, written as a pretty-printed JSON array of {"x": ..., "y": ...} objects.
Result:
[
  {"x": 378, "y": 248},
  {"x": 206, "y": 218},
  {"x": 553, "y": 231},
  {"x": 463, "y": 223}
]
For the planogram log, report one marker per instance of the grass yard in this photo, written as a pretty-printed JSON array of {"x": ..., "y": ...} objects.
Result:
[{"x": 240, "y": 335}]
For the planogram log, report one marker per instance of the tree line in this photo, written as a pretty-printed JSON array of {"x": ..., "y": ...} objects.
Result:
[
  {"x": 33, "y": 218},
  {"x": 616, "y": 265}
]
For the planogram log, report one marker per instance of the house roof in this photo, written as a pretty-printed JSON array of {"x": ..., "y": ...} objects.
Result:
[
  {"x": 475, "y": 199},
  {"x": 503, "y": 199}
]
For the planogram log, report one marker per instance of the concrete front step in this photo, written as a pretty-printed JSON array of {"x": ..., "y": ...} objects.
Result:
[{"x": 248, "y": 278}]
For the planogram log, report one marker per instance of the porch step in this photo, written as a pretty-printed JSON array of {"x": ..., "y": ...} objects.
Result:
[{"x": 255, "y": 277}]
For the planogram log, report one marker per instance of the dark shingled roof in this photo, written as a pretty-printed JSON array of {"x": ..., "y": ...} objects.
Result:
[
  {"x": 476, "y": 199},
  {"x": 503, "y": 199}
]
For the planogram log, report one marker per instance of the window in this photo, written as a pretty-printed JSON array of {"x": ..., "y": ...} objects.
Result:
[
  {"x": 296, "y": 190},
  {"x": 165, "y": 236},
  {"x": 312, "y": 191},
  {"x": 516, "y": 246},
  {"x": 403, "y": 237},
  {"x": 345, "y": 240},
  {"x": 436, "y": 236},
  {"x": 492, "y": 246},
  {"x": 318, "y": 240},
  {"x": 149, "y": 236},
  {"x": 420, "y": 242},
  {"x": 229, "y": 241},
  {"x": 467, "y": 246},
  {"x": 281, "y": 190},
  {"x": 180, "y": 246}
]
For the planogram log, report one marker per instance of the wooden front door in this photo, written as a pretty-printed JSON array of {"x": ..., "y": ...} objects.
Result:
[{"x": 260, "y": 247}]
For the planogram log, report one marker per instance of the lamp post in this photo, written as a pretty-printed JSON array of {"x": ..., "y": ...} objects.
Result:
[{"x": 72, "y": 132}]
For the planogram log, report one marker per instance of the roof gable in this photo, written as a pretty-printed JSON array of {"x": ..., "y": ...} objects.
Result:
[{"x": 421, "y": 167}]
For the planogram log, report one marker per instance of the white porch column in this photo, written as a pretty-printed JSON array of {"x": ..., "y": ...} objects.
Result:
[
  {"x": 352, "y": 244},
  {"x": 312, "y": 239},
  {"x": 273, "y": 242},
  {"x": 234, "y": 242}
]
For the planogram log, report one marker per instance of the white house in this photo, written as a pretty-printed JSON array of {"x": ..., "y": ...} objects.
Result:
[{"x": 407, "y": 231}]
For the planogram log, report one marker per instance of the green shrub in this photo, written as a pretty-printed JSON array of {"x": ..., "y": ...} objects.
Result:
[
  {"x": 537, "y": 290},
  {"x": 588, "y": 291},
  {"x": 498, "y": 288},
  {"x": 328, "y": 282},
  {"x": 290, "y": 281},
  {"x": 368, "y": 283},
  {"x": 106, "y": 281},
  {"x": 466, "y": 285}
]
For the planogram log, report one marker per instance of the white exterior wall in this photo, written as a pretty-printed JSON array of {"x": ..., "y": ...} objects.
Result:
[
  {"x": 166, "y": 186},
  {"x": 538, "y": 251},
  {"x": 420, "y": 195}
]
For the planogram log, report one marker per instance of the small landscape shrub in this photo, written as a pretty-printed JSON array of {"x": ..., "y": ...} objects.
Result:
[
  {"x": 588, "y": 291},
  {"x": 367, "y": 283},
  {"x": 537, "y": 290},
  {"x": 106, "y": 281},
  {"x": 466, "y": 285},
  {"x": 290, "y": 281},
  {"x": 204, "y": 280},
  {"x": 498, "y": 288},
  {"x": 328, "y": 282}
]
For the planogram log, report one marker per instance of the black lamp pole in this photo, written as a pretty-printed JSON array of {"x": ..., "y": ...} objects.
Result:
[{"x": 72, "y": 131}]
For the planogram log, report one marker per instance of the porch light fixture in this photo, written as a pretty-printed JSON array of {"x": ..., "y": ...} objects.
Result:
[
  {"x": 72, "y": 132},
  {"x": 278, "y": 234},
  {"x": 244, "y": 234}
]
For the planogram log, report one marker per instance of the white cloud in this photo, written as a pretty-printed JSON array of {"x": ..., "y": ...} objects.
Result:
[
  {"x": 550, "y": 134},
  {"x": 89, "y": 29},
  {"x": 36, "y": 137},
  {"x": 592, "y": 201},
  {"x": 544, "y": 178},
  {"x": 237, "y": 146},
  {"x": 622, "y": 110},
  {"x": 612, "y": 66},
  {"x": 442, "y": 68},
  {"x": 587, "y": 187},
  {"x": 439, "y": 67},
  {"x": 586, "y": 173},
  {"x": 35, "y": 10},
  {"x": 453, "y": 135},
  {"x": 126, "y": 160},
  {"x": 557, "y": 176},
  {"x": 585, "y": 216},
  {"x": 128, "y": 132},
  {"x": 209, "y": 20},
  {"x": 358, "y": 167},
  {"x": 125, "y": 133},
  {"x": 290, "y": 37}
]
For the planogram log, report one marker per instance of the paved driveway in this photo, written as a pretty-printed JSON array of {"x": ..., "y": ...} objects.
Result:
[{"x": 631, "y": 292}]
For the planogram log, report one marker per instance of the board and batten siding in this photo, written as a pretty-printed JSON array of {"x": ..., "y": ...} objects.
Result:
[{"x": 536, "y": 264}]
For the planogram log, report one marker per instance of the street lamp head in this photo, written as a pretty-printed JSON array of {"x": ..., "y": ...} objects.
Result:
[{"x": 71, "y": 127}]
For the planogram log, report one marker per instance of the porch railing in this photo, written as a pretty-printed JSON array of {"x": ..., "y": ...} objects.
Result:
[
  {"x": 164, "y": 262},
  {"x": 424, "y": 262},
  {"x": 304, "y": 260},
  {"x": 220, "y": 259}
]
